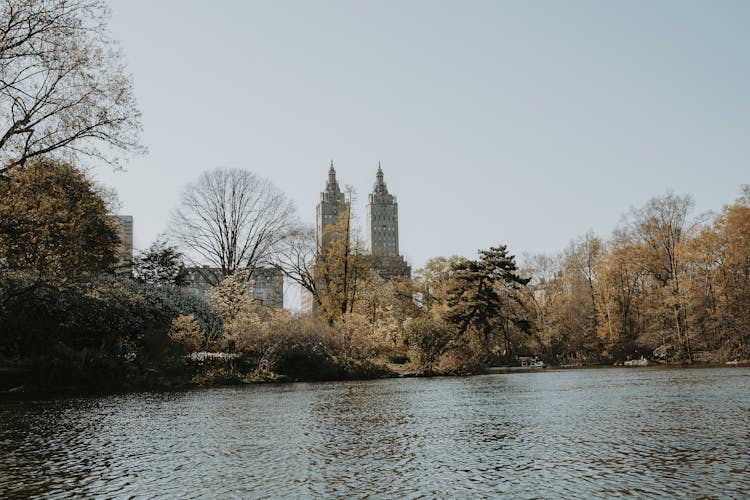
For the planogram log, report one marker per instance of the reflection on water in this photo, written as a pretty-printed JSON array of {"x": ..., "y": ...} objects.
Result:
[{"x": 644, "y": 432}]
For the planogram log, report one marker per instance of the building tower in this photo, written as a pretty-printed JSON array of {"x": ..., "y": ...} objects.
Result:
[
  {"x": 382, "y": 219},
  {"x": 332, "y": 203},
  {"x": 124, "y": 225},
  {"x": 382, "y": 231}
]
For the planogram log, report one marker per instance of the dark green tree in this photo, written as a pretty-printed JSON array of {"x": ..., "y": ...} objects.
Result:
[
  {"x": 160, "y": 264},
  {"x": 484, "y": 299}
]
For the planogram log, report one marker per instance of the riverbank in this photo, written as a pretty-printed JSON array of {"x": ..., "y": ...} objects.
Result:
[{"x": 13, "y": 385}]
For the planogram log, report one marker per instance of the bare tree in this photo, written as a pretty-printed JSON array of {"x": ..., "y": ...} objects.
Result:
[
  {"x": 63, "y": 88},
  {"x": 233, "y": 219},
  {"x": 581, "y": 260},
  {"x": 297, "y": 259}
]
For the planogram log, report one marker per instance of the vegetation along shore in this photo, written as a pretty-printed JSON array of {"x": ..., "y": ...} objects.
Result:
[{"x": 668, "y": 286}]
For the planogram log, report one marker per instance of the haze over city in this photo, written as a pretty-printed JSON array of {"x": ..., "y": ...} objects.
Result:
[{"x": 526, "y": 123}]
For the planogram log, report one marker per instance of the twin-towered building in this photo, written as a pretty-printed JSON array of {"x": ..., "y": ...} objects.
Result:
[
  {"x": 382, "y": 243},
  {"x": 382, "y": 224}
]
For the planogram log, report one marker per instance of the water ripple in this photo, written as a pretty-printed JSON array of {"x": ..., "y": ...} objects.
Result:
[{"x": 585, "y": 433}]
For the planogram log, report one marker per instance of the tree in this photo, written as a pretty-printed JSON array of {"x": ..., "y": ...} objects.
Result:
[
  {"x": 661, "y": 227},
  {"x": 63, "y": 88},
  {"x": 734, "y": 228},
  {"x": 233, "y": 219},
  {"x": 429, "y": 338},
  {"x": 235, "y": 292},
  {"x": 434, "y": 282},
  {"x": 53, "y": 223},
  {"x": 185, "y": 330},
  {"x": 297, "y": 258},
  {"x": 620, "y": 288},
  {"x": 484, "y": 296},
  {"x": 340, "y": 268},
  {"x": 581, "y": 261},
  {"x": 160, "y": 264},
  {"x": 719, "y": 282},
  {"x": 333, "y": 272}
]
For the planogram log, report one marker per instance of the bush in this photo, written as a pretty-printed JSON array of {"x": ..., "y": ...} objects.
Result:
[
  {"x": 303, "y": 347},
  {"x": 110, "y": 331},
  {"x": 428, "y": 339},
  {"x": 185, "y": 330}
]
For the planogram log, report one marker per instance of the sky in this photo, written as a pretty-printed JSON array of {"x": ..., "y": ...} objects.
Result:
[{"x": 526, "y": 123}]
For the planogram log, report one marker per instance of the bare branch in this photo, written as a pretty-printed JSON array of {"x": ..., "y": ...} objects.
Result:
[
  {"x": 63, "y": 88},
  {"x": 233, "y": 219}
]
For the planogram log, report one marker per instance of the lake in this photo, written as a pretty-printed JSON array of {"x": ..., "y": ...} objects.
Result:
[{"x": 554, "y": 433}]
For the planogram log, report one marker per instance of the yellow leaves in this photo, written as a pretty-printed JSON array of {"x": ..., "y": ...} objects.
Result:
[
  {"x": 341, "y": 269},
  {"x": 185, "y": 330},
  {"x": 735, "y": 229},
  {"x": 53, "y": 222}
]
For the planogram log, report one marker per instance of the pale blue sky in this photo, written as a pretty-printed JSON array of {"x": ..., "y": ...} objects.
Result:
[{"x": 526, "y": 123}]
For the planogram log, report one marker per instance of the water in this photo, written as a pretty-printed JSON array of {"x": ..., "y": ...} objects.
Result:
[{"x": 578, "y": 433}]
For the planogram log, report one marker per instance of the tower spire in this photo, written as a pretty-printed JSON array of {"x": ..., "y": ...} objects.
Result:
[
  {"x": 332, "y": 185},
  {"x": 380, "y": 187}
]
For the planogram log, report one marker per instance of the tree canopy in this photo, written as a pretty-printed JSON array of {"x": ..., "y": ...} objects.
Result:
[
  {"x": 483, "y": 296},
  {"x": 64, "y": 91},
  {"x": 53, "y": 222},
  {"x": 161, "y": 263}
]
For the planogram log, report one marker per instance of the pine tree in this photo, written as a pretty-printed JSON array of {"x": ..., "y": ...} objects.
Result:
[
  {"x": 483, "y": 298},
  {"x": 160, "y": 264}
]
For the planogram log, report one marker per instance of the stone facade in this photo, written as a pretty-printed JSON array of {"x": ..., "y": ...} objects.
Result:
[
  {"x": 269, "y": 286},
  {"x": 389, "y": 266},
  {"x": 382, "y": 232},
  {"x": 332, "y": 204},
  {"x": 382, "y": 219},
  {"x": 268, "y": 289}
]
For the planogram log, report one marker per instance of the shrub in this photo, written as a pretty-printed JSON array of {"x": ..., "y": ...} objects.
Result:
[
  {"x": 185, "y": 330},
  {"x": 107, "y": 324},
  {"x": 428, "y": 339}
]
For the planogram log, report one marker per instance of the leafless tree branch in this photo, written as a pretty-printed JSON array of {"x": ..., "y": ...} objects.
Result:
[
  {"x": 233, "y": 219},
  {"x": 63, "y": 89}
]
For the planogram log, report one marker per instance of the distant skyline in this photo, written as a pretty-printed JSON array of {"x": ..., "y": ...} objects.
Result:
[{"x": 522, "y": 123}]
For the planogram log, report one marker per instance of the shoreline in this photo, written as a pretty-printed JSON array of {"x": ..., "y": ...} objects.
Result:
[{"x": 32, "y": 393}]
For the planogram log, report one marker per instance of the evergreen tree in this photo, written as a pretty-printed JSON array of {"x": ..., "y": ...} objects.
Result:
[
  {"x": 160, "y": 264},
  {"x": 483, "y": 298}
]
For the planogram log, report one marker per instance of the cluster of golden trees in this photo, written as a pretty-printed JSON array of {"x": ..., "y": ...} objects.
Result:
[
  {"x": 666, "y": 286},
  {"x": 452, "y": 317}
]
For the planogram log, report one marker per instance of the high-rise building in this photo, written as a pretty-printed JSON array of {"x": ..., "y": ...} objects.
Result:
[
  {"x": 382, "y": 231},
  {"x": 382, "y": 219},
  {"x": 332, "y": 204},
  {"x": 124, "y": 224}
]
